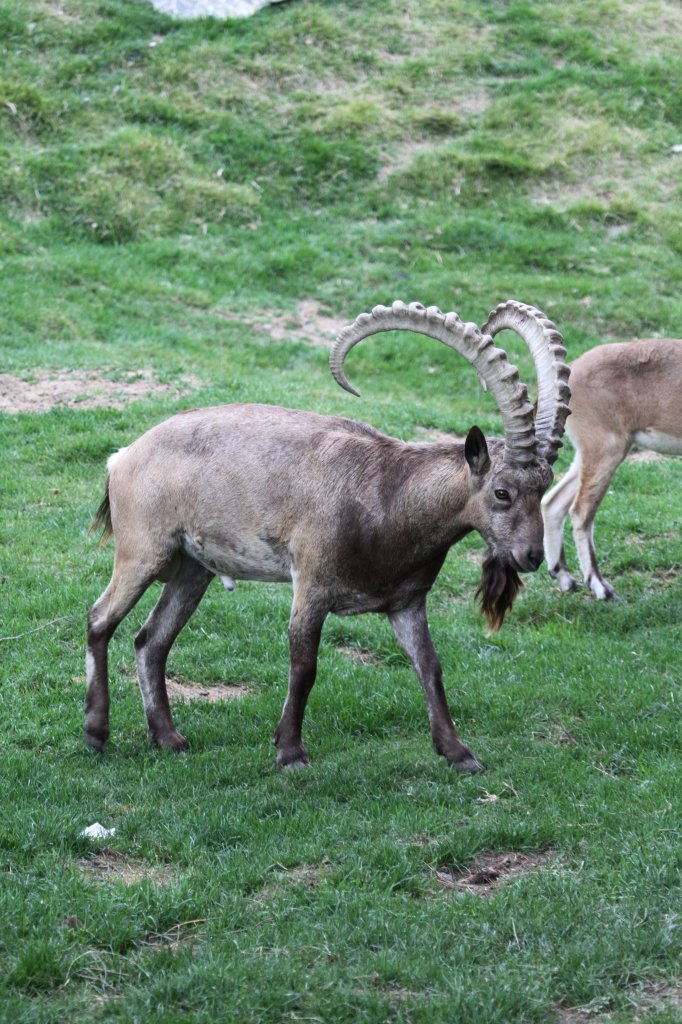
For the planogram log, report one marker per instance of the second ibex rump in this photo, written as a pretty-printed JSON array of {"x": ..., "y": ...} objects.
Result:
[{"x": 358, "y": 521}]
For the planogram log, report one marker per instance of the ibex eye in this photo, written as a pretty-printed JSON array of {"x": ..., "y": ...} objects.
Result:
[{"x": 502, "y": 494}]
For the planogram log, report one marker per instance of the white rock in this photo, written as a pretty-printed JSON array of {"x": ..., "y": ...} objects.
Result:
[
  {"x": 97, "y": 831},
  {"x": 210, "y": 8}
]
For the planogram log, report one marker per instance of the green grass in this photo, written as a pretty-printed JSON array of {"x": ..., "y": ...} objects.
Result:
[{"x": 453, "y": 152}]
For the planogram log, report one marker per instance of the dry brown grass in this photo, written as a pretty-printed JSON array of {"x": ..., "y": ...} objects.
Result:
[{"x": 111, "y": 866}]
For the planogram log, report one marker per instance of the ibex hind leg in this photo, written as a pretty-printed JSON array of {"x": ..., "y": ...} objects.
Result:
[
  {"x": 128, "y": 583},
  {"x": 179, "y": 600}
]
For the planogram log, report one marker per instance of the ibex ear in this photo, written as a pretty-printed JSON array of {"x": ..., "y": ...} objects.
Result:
[{"x": 476, "y": 452}]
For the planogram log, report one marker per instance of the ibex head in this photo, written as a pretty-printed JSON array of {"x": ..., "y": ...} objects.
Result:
[
  {"x": 507, "y": 478},
  {"x": 504, "y": 507}
]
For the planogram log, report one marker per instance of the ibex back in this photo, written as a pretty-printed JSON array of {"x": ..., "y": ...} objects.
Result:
[{"x": 357, "y": 521}]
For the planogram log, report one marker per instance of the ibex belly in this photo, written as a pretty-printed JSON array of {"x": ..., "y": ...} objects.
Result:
[
  {"x": 658, "y": 441},
  {"x": 252, "y": 558}
]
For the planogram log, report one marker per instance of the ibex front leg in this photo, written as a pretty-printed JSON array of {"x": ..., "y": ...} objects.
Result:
[
  {"x": 598, "y": 467},
  {"x": 412, "y": 632},
  {"x": 305, "y": 628}
]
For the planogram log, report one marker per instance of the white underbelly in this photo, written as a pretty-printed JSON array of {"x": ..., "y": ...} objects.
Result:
[
  {"x": 657, "y": 441},
  {"x": 255, "y": 560}
]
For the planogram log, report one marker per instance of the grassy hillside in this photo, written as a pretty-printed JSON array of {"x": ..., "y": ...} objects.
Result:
[{"x": 203, "y": 203}]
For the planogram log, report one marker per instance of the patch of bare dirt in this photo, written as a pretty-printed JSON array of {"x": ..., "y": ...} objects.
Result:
[
  {"x": 42, "y": 390},
  {"x": 489, "y": 872},
  {"x": 657, "y": 997},
  {"x": 311, "y": 323},
  {"x": 308, "y": 875},
  {"x": 305, "y": 874},
  {"x": 60, "y": 11},
  {"x": 177, "y": 936},
  {"x": 421, "y": 840},
  {"x": 401, "y": 157},
  {"x": 213, "y": 693},
  {"x": 330, "y": 86},
  {"x": 662, "y": 994},
  {"x": 396, "y": 993},
  {"x": 360, "y": 656},
  {"x": 580, "y": 1016},
  {"x": 667, "y": 575},
  {"x": 555, "y": 734},
  {"x": 110, "y": 866}
]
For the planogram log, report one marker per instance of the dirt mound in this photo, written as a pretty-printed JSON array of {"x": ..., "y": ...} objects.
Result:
[{"x": 489, "y": 871}]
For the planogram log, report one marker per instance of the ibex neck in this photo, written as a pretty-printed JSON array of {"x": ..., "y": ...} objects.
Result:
[{"x": 431, "y": 497}]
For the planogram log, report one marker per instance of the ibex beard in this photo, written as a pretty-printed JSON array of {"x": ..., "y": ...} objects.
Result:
[{"x": 498, "y": 589}]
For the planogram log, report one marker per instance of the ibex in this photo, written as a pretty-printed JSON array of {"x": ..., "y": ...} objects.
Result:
[
  {"x": 357, "y": 521},
  {"x": 621, "y": 394}
]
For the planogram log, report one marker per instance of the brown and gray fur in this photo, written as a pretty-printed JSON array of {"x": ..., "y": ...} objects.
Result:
[
  {"x": 621, "y": 394},
  {"x": 358, "y": 521}
]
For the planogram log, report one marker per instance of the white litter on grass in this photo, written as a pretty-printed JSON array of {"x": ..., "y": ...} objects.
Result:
[
  {"x": 97, "y": 831},
  {"x": 677, "y": 148},
  {"x": 210, "y": 8}
]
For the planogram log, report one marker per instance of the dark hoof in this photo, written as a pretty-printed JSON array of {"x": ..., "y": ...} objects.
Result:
[
  {"x": 467, "y": 763},
  {"x": 170, "y": 741},
  {"x": 293, "y": 758},
  {"x": 96, "y": 740},
  {"x": 602, "y": 590}
]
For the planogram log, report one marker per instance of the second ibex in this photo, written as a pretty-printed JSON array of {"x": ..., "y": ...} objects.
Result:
[{"x": 358, "y": 521}]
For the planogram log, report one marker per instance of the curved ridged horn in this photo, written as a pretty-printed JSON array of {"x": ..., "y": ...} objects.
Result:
[
  {"x": 548, "y": 352},
  {"x": 477, "y": 348}
]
